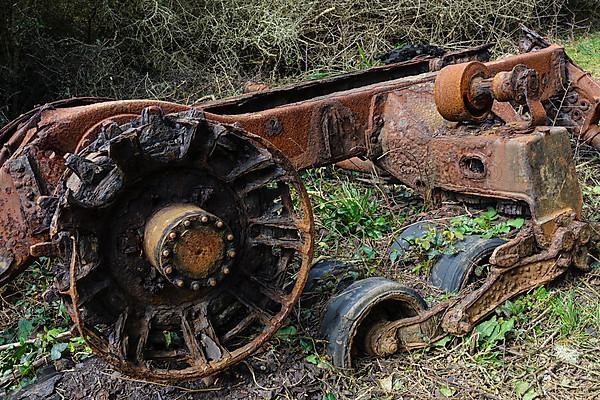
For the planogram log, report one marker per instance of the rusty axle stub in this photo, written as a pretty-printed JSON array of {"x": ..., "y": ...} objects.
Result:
[{"x": 189, "y": 246}]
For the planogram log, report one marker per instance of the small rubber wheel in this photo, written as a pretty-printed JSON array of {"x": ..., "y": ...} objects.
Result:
[
  {"x": 453, "y": 272},
  {"x": 403, "y": 242},
  {"x": 350, "y": 314}
]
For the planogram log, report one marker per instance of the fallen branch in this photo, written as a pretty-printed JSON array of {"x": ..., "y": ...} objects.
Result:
[{"x": 59, "y": 338}]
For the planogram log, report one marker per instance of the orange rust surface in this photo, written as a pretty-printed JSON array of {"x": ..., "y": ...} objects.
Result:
[
  {"x": 314, "y": 123},
  {"x": 46, "y": 135}
]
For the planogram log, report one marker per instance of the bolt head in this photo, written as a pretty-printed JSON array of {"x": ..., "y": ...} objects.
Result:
[
  {"x": 179, "y": 283},
  {"x": 212, "y": 282},
  {"x": 195, "y": 286},
  {"x": 168, "y": 270},
  {"x": 231, "y": 253},
  {"x": 172, "y": 235},
  {"x": 204, "y": 219},
  {"x": 187, "y": 223},
  {"x": 226, "y": 270},
  {"x": 219, "y": 224},
  {"x": 230, "y": 237},
  {"x": 166, "y": 252}
]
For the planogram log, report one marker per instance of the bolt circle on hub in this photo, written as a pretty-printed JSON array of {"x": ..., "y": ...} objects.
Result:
[
  {"x": 189, "y": 245},
  {"x": 188, "y": 248}
]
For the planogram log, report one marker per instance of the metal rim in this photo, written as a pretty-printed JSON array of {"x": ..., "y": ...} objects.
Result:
[{"x": 179, "y": 333}]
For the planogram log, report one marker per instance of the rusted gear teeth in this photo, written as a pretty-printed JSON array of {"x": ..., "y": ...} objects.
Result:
[{"x": 187, "y": 293}]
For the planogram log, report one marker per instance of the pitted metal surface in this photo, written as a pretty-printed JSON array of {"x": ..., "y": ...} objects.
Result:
[{"x": 193, "y": 220}]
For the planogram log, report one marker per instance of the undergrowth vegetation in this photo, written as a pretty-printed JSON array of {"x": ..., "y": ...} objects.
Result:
[
  {"x": 542, "y": 344},
  {"x": 35, "y": 327},
  {"x": 186, "y": 50}
]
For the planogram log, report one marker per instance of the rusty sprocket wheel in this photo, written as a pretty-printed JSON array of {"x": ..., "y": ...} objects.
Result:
[{"x": 230, "y": 259}]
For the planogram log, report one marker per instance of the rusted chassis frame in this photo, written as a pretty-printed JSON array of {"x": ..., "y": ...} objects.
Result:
[{"x": 386, "y": 115}]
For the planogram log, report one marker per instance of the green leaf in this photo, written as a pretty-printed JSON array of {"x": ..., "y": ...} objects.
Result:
[
  {"x": 521, "y": 387},
  {"x": 307, "y": 346},
  {"x": 443, "y": 341},
  {"x": 57, "y": 349},
  {"x": 24, "y": 329},
  {"x": 530, "y": 395},
  {"x": 286, "y": 332},
  {"x": 516, "y": 223},
  {"x": 329, "y": 396},
  {"x": 312, "y": 359},
  {"x": 490, "y": 214},
  {"x": 486, "y": 328},
  {"x": 447, "y": 391}
]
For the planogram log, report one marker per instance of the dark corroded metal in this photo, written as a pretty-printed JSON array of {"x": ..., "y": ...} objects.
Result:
[
  {"x": 190, "y": 223},
  {"x": 148, "y": 247}
]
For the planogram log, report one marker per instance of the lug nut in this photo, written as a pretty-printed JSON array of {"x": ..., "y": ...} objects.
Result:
[
  {"x": 231, "y": 253},
  {"x": 226, "y": 270},
  {"x": 195, "y": 286},
  {"x": 204, "y": 219},
  {"x": 179, "y": 283},
  {"x": 166, "y": 253},
  {"x": 219, "y": 224},
  {"x": 168, "y": 270},
  {"x": 172, "y": 235},
  {"x": 212, "y": 282},
  {"x": 230, "y": 237},
  {"x": 187, "y": 223}
]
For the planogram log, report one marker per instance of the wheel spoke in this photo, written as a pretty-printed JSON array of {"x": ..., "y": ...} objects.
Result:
[
  {"x": 285, "y": 243},
  {"x": 200, "y": 336},
  {"x": 117, "y": 340},
  {"x": 129, "y": 336},
  {"x": 271, "y": 292},
  {"x": 91, "y": 290},
  {"x": 260, "y": 313},
  {"x": 276, "y": 221},
  {"x": 142, "y": 338},
  {"x": 267, "y": 176},
  {"x": 260, "y": 162},
  {"x": 197, "y": 357},
  {"x": 240, "y": 326}
]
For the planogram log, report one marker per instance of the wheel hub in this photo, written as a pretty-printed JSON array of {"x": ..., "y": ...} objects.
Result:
[
  {"x": 185, "y": 242},
  {"x": 189, "y": 246}
]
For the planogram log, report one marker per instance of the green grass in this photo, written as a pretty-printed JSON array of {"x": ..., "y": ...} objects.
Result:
[
  {"x": 586, "y": 53},
  {"x": 526, "y": 348}
]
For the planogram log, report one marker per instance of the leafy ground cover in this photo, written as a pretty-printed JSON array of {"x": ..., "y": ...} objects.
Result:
[{"x": 544, "y": 344}]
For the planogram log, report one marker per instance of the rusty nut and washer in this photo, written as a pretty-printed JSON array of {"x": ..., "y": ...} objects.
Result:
[{"x": 189, "y": 246}]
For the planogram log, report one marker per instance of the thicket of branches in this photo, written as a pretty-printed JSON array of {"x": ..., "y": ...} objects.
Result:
[{"x": 185, "y": 49}]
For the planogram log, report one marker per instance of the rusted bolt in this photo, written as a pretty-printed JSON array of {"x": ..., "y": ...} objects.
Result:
[
  {"x": 195, "y": 286},
  {"x": 219, "y": 224},
  {"x": 168, "y": 270},
  {"x": 231, "y": 254},
  {"x": 212, "y": 282},
  {"x": 273, "y": 126},
  {"x": 230, "y": 237},
  {"x": 179, "y": 283},
  {"x": 204, "y": 219}
]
